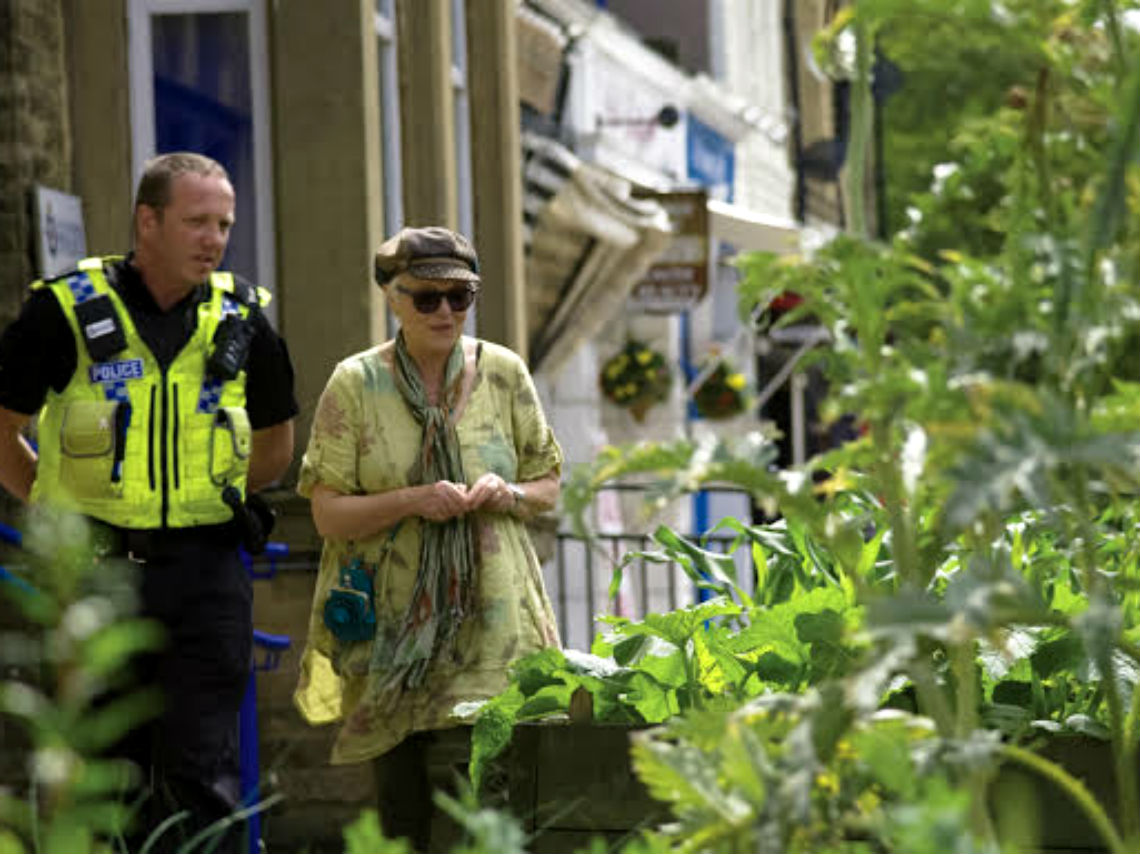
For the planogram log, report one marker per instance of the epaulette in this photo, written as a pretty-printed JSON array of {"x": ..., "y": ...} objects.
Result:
[
  {"x": 84, "y": 265},
  {"x": 243, "y": 291}
]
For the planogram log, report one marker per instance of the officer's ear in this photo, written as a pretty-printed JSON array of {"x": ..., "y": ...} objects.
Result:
[{"x": 147, "y": 219}]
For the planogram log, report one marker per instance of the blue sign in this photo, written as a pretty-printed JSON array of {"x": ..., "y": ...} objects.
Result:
[
  {"x": 110, "y": 372},
  {"x": 711, "y": 158}
]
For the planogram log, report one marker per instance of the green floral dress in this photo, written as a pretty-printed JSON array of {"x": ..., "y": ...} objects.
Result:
[{"x": 364, "y": 440}]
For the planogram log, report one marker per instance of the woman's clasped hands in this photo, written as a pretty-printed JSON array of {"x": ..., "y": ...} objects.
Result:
[{"x": 445, "y": 500}]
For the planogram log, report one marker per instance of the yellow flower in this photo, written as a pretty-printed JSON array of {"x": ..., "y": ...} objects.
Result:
[
  {"x": 845, "y": 751},
  {"x": 644, "y": 357},
  {"x": 735, "y": 381},
  {"x": 828, "y": 781},
  {"x": 839, "y": 482}
]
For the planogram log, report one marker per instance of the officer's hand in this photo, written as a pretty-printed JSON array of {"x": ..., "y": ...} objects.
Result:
[
  {"x": 490, "y": 492},
  {"x": 442, "y": 500}
]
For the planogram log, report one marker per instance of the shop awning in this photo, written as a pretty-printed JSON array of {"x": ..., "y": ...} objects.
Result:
[
  {"x": 588, "y": 241},
  {"x": 750, "y": 232}
]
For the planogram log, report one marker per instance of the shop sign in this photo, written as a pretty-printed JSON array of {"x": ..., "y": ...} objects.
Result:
[
  {"x": 61, "y": 241},
  {"x": 711, "y": 159},
  {"x": 680, "y": 277}
]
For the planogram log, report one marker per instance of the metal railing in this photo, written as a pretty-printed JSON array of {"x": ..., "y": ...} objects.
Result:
[
  {"x": 579, "y": 575},
  {"x": 579, "y": 571}
]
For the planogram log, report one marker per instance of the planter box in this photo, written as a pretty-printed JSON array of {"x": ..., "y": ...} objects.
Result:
[
  {"x": 1034, "y": 815},
  {"x": 571, "y": 782}
]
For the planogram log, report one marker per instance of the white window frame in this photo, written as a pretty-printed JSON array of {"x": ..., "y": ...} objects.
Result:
[
  {"x": 142, "y": 107},
  {"x": 385, "y": 26}
]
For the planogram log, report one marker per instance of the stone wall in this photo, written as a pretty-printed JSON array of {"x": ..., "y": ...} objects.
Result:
[
  {"x": 34, "y": 134},
  {"x": 34, "y": 148}
]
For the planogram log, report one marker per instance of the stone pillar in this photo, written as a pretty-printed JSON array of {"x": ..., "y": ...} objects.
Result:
[
  {"x": 496, "y": 167},
  {"x": 34, "y": 133},
  {"x": 101, "y": 120},
  {"x": 427, "y": 117},
  {"x": 326, "y": 108}
]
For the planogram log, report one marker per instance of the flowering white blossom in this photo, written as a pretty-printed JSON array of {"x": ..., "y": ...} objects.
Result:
[{"x": 942, "y": 173}]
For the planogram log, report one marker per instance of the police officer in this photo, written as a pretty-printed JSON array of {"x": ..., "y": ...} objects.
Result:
[{"x": 165, "y": 398}]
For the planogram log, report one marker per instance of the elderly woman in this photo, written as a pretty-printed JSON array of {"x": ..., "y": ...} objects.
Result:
[{"x": 427, "y": 455}]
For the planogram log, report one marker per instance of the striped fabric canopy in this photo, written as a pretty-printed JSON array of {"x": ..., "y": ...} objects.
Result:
[{"x": 588, "y": 242}]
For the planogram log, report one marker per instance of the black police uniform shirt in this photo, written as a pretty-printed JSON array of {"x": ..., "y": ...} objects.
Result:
[{"x": 37, "y": 351}]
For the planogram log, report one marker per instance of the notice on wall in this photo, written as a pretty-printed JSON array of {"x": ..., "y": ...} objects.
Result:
[
  {"x": 61, "y": 240},
  {"x": 679, "y": 278}
]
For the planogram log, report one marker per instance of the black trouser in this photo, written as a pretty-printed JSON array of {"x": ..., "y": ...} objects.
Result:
[
  {"x": 406, "y": 778},
  {"x": 198, "y": 589}
]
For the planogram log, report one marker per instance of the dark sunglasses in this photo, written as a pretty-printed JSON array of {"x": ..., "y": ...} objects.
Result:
[{"x": 427, "y": 302}]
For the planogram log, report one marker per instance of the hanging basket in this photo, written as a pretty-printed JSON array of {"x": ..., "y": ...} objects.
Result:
[
  {"x": 637, "y": 378},
  {"x": 723, "y": 393}
]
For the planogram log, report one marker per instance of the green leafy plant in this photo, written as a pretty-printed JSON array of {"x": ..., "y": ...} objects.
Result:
[
  {"x": 76, "y": 801},
  {"x": 365, "y": 836},
  {"x": 721, "y": 650},
  {"x": 68, "y": 688}
]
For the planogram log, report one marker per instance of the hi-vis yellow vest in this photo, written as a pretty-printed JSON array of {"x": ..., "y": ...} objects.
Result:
[{"x": 136, "y": 446}]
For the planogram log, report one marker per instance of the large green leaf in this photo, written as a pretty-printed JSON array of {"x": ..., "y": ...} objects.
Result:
[
  {"x": 492, "y": 731},
  {"x": 790, "y": 629},
  {"x": 96, "y": 729},
  {"x": 109, "y": 649},
  {"x": 365, "y": 836}
]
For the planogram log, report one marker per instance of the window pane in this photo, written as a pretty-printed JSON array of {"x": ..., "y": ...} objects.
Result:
[{"x": 203, "y": 103}]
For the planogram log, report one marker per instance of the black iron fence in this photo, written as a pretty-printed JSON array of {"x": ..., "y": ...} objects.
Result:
[
  {"x": 579, "y": 576},
  {"x": 578, "y": 573}
]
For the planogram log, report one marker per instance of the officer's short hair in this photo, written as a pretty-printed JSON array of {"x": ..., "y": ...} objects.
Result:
[{"x": 159, "y": 174}]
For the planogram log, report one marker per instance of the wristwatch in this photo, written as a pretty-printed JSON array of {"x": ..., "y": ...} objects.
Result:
[{"x": 518, "y": 492}]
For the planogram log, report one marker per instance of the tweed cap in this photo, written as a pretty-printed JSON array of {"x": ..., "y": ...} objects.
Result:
[{"x": 427, "y": 253}]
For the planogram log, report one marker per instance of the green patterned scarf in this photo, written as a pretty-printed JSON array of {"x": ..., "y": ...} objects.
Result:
[{"x": 445, "y": 582}]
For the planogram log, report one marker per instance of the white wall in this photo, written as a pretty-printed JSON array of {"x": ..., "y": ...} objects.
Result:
[{"x": 754, "y": 61}]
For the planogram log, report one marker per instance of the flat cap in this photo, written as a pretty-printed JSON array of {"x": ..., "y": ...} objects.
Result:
[{"x": 427, "y": 253}]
